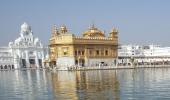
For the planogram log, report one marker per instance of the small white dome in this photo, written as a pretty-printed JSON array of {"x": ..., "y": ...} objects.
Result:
[
  {"x": 25, "y": 27},
  {"x": 36, "y": 40},
  {"x": 10, "y": 44}
]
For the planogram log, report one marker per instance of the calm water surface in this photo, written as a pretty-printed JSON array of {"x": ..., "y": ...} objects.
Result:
[{"x": 125, "y": 84}]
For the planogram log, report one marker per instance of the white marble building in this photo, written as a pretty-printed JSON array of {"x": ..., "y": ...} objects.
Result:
[
  {"x": 6, "y": 58},
  {"x": 147, "y": 53},
  {"x": 25, "y": 52}
]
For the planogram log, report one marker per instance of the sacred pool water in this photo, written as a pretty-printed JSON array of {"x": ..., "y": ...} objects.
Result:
[{"x": 124, "y": 84}]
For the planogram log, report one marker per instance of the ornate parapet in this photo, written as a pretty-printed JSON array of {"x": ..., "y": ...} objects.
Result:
[
  {"x": 62, "y": 39},
  {"x": 95, "y": 40}
]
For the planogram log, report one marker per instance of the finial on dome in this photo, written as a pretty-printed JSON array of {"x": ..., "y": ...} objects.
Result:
[
  {"x": 54, "y": 30},
  {"x": 25, "y": 23},
  {"x": 113, "y": 33},
  {"x": 114, "y": 30},
  {"x": 63, "y": 29},
  {"x": 92, "y": 26}
]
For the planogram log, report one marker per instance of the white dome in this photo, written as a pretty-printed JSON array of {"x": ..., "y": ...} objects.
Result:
[
  {"x": 10, "y": 44},
  {"x": 36, "y": 40},
  {"x": 25, "y": 27}
]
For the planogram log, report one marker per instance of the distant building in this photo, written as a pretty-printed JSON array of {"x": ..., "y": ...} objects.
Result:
[
  {"x": 143, "y": 50},
  {"x": 6, "y": 58},
  {"x": 25, "y": 52},
  {"x": 93, "y": 48},
  {"x": 143, "y": 53}
]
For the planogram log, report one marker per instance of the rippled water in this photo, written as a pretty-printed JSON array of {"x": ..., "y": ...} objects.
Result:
[{"x": 124, "y": 84}]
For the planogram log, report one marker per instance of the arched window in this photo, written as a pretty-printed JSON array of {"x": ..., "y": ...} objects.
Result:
[
  {"x": 106, "y": 52},
  {"x": 97, "y": 52},
  {"x": 75, "y": 52},
  {"x": 12, "y": 66},
  {"x": 1, "y": 67},
  {"x": 82, "y": 52},
  {"x": 5, "y": 67}
]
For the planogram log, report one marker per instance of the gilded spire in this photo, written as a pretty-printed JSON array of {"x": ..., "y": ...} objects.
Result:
[
  {"x": 54, "y": 30},
  {"x": 63, "y": 29},
  {"x": 114, "y": 30},
  {"x": 113, "y": 33},
  {"x": 93, "y": 26}
]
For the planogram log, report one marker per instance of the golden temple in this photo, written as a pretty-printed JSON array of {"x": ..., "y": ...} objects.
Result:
[{"x": 93, "y": 48}]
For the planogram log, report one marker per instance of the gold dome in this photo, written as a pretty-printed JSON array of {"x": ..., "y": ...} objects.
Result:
[{"x": 93, "y": 32}]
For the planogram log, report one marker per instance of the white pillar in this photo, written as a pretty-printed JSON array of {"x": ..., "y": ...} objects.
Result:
[
  {"x": 27, "y": 59},
  {"x": 16, "y": 62},
  {"x": 87, "y": 62},
  {"x": 42, "y": 58},
  {"x": 36, "y": 59}
]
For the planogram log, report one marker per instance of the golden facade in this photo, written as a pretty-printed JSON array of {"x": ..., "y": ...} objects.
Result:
[{"x": 93, "y": 48}]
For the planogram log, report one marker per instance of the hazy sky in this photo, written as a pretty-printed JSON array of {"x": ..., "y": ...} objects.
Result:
[{"x": 138, "y": 21}]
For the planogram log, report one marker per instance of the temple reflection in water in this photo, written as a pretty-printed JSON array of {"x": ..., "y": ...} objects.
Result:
[
  {"x": 92, "y": 85},
  {"x": 25, "y": 85},
  {"x": 125, "y": 84}
]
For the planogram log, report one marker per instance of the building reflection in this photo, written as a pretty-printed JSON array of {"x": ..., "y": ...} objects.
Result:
[
  {"x": 91, "y": 85},
  {"x": 29, "y": 84},
  {"x": 64, "y": 85},
  {"x": 84, "y": 85}
]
